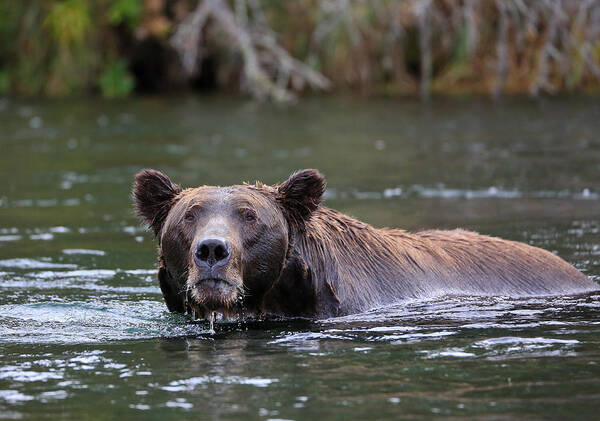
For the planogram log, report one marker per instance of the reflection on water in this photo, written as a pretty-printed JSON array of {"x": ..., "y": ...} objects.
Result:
[{"x": 84, "y": 331}]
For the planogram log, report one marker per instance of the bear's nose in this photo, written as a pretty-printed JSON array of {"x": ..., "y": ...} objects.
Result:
[{"x": 212, "y": 252}]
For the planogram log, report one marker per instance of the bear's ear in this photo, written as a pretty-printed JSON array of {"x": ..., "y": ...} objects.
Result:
[
  {"x": 301, "y": 194},
  {"x": 153, "y": 194}
]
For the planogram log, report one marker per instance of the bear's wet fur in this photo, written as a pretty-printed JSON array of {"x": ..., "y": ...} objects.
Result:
[{"x": 256, "y": 250}]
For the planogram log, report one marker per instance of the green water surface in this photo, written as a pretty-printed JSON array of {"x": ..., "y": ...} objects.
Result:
[{"x": 84, "y": 333}]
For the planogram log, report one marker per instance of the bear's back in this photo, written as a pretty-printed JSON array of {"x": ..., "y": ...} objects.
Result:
[
  {"x": 483, "y": 265},
  {"x": 358, "y": 267}
]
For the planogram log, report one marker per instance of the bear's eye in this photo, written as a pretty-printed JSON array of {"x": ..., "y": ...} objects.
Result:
[
  {"x": 189, "y": 217},
  {"x": 248, "y": 215}
]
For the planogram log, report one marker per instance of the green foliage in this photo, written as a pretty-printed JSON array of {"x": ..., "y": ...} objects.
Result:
[
  {"x": 4, "y": 29},
  {"x": 3, "y": 15},
  {"x": 461, "y": 46},
  {"x": 69, "y": 21},
  {"x": 116, "y": 81},
  {"x": 73, "y": 47},
  {"x": 4, "y": 82},
  {"x": 24, "y": 46},
  {"x": 126, "y": 12},
  {"x": 64, "y": 47},
  {"x": 72, "y": 56}
]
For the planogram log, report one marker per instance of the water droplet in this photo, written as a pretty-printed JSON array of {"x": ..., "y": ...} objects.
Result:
[{"x": 212, "y": 323}]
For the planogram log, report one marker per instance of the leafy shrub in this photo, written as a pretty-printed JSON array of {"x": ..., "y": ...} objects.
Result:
[
  {"x": 116, "y": 81},
  {"x": 125, "y": 12}
]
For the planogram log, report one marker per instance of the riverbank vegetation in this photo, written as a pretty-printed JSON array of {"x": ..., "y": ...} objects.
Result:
[{"x": 279, "y": 49}]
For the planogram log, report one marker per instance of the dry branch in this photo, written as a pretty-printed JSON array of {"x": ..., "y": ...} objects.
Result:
[
  {"x": 256, "y": 43},
  {"x": 540, "y": 45}
]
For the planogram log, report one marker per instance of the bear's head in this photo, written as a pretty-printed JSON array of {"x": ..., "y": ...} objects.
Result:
[{"x": 224, "y": 247}]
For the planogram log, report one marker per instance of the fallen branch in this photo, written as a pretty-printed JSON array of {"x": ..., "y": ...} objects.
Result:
[
  {"x": 257, "y": 45},
  {"x": 504, "y": 35}
]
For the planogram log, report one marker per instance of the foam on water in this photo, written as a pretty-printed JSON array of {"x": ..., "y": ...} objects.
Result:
[
  {"x": 95, "y": 304},
  {"x": 71, "y": 304},
  {"x": 84, "y": 251},
  {"x": 442, "y": 192},
  {"x": 10, "y": 237},
  {"x": 193, "y": 382},
  {"x": 23, "y": 263}
]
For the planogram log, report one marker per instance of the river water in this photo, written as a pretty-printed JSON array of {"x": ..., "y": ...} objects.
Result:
[{"x": 84, "y": 333}]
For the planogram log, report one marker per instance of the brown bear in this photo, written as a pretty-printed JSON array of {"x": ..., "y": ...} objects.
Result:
[{"x": 256, "y": 250}]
